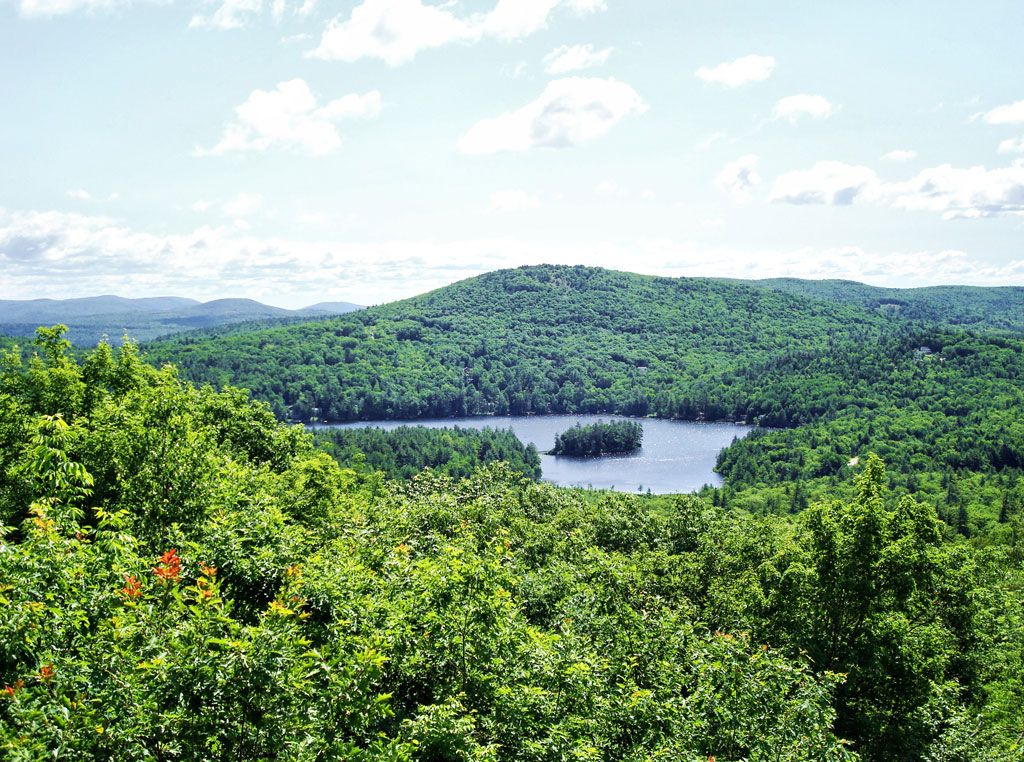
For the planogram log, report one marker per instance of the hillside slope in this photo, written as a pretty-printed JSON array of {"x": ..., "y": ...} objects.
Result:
[
  {"x": 531, "y": 340},
  {"x": 998, "y": 308},
  {"x": 192, "y": 581}
]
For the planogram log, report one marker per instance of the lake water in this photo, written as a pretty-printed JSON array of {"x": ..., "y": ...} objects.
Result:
[{"x": 677, "y": 456}]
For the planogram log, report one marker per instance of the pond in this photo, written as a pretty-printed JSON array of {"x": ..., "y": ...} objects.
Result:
[{"x": 677, "y": 456}]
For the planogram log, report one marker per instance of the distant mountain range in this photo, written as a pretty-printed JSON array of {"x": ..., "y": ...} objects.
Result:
[
  {"x": 90, "y": 318},
  {"x": 998, "y": 309}
]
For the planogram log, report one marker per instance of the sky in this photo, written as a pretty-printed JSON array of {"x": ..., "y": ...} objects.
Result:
[{"x": 300, "y": 151}]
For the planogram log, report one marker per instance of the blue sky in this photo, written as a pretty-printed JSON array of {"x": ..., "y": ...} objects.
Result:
[{"x": 297, "y": 151}]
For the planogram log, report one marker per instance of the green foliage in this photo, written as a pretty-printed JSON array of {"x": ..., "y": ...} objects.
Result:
[
  {"x": 834, "y": 381},
  {"x": 189, "y": 580},
  {"x": 532, "y": 340},
  {"x": 989, "y": 308},
  {"x": 183, "y": 578},
  {"x": 946, "y": 422},
  {"x": 403, "y": 452},
  {"x": 599, "y": 439}
]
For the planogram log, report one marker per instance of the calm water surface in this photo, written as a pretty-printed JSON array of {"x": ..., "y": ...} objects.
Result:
[{"x": 677, "y": 456}]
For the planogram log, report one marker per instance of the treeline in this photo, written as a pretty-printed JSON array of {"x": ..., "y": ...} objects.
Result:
[
  {"x": 567, "y": 340},
  {"x": 983, "y": 308},
  {"x": 184, "y": 579},
  {"x": 403, "y": 452},
  {"x": 599, "y": 439},
  {"x": 832, "y": 381},
  {"x": 925, "y": 400},
  {"x": 533, "y": 340},
  {"x": 987, "y": 508}
]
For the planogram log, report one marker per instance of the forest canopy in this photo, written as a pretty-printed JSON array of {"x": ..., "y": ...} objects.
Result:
[
  {"x": 828, "y": 379},
  {"x": 186, "y": 578},
  {"x": 403, "y": 452},
  {"x": 600, "y": 438}
]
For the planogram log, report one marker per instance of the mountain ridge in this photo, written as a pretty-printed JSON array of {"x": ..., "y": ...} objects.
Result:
[
  {"x": 999, "y": 308},
  {"x": 505, "y": 341},
  {"x": 89, "y": 319}
]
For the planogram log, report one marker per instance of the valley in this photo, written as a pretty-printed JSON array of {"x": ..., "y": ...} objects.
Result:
[
  {"x": 677, "y": 456},
  {"x": 845, "y": 587}
]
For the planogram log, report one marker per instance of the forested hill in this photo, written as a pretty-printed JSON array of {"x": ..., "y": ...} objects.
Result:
[
  {"x": 534, "y": 339},
  {"x": 990, "y": 309}
]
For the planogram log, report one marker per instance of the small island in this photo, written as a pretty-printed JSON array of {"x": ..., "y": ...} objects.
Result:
[{"x": 615, "y": 438}]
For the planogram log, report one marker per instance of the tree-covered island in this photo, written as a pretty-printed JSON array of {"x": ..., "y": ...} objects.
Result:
[{"x": 615, "y": 438}]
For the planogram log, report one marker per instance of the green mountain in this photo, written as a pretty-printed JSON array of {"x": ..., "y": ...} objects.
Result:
[
  {"x": 215, "y": 587},
  {"x": 999, "y": 308},
  {"x": 91, "y": 318},
  {"x": 531, "y": 340},
  {"x": 828, "y": 383}
]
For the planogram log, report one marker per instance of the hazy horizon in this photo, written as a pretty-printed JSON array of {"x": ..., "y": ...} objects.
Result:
[{"x": 298, "y": 302}]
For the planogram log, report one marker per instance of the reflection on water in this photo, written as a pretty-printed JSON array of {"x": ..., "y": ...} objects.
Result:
[{"x": 677, "y": 456}]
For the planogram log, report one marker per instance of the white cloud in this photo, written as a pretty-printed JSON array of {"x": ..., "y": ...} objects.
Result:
[
  {"x": 827, "y": 182},
  {"x": 83, "y": 195},
  {"x": 1010, "y": 113},
  {"x": 956, "y": 193},
  {"x": 280, "y": 8},
  {"x": 904, "y": 268},
  {"x": 242, "y": 205},
  {"x": 743, "y": 70},
  {"x": 58, "y": 255},
  {"x": 513, "y": 19},
  {"x": 711, "y": 139},
  {"x": 900, "y": 155},
  {"x": 1012, "y": 145},
  {"x": 232, "y": 14},
  {"x": 737, "y": 178},
  {"x": 50, "y": 8},
  {"x": 570, "y": 111},
  {"x": 202, "y": 205},
  {"x": 565, "y": 58},
  {"x": 795, "y": 106},
  {"x": 973, "y": 192},
  {"x": 288, "y": 117},
  {"x": 516, "y": 200},
  {"x": 605, "y": 188},
  {"x": 352, "y": 106},
  {"x": 394, "y": 31}
]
